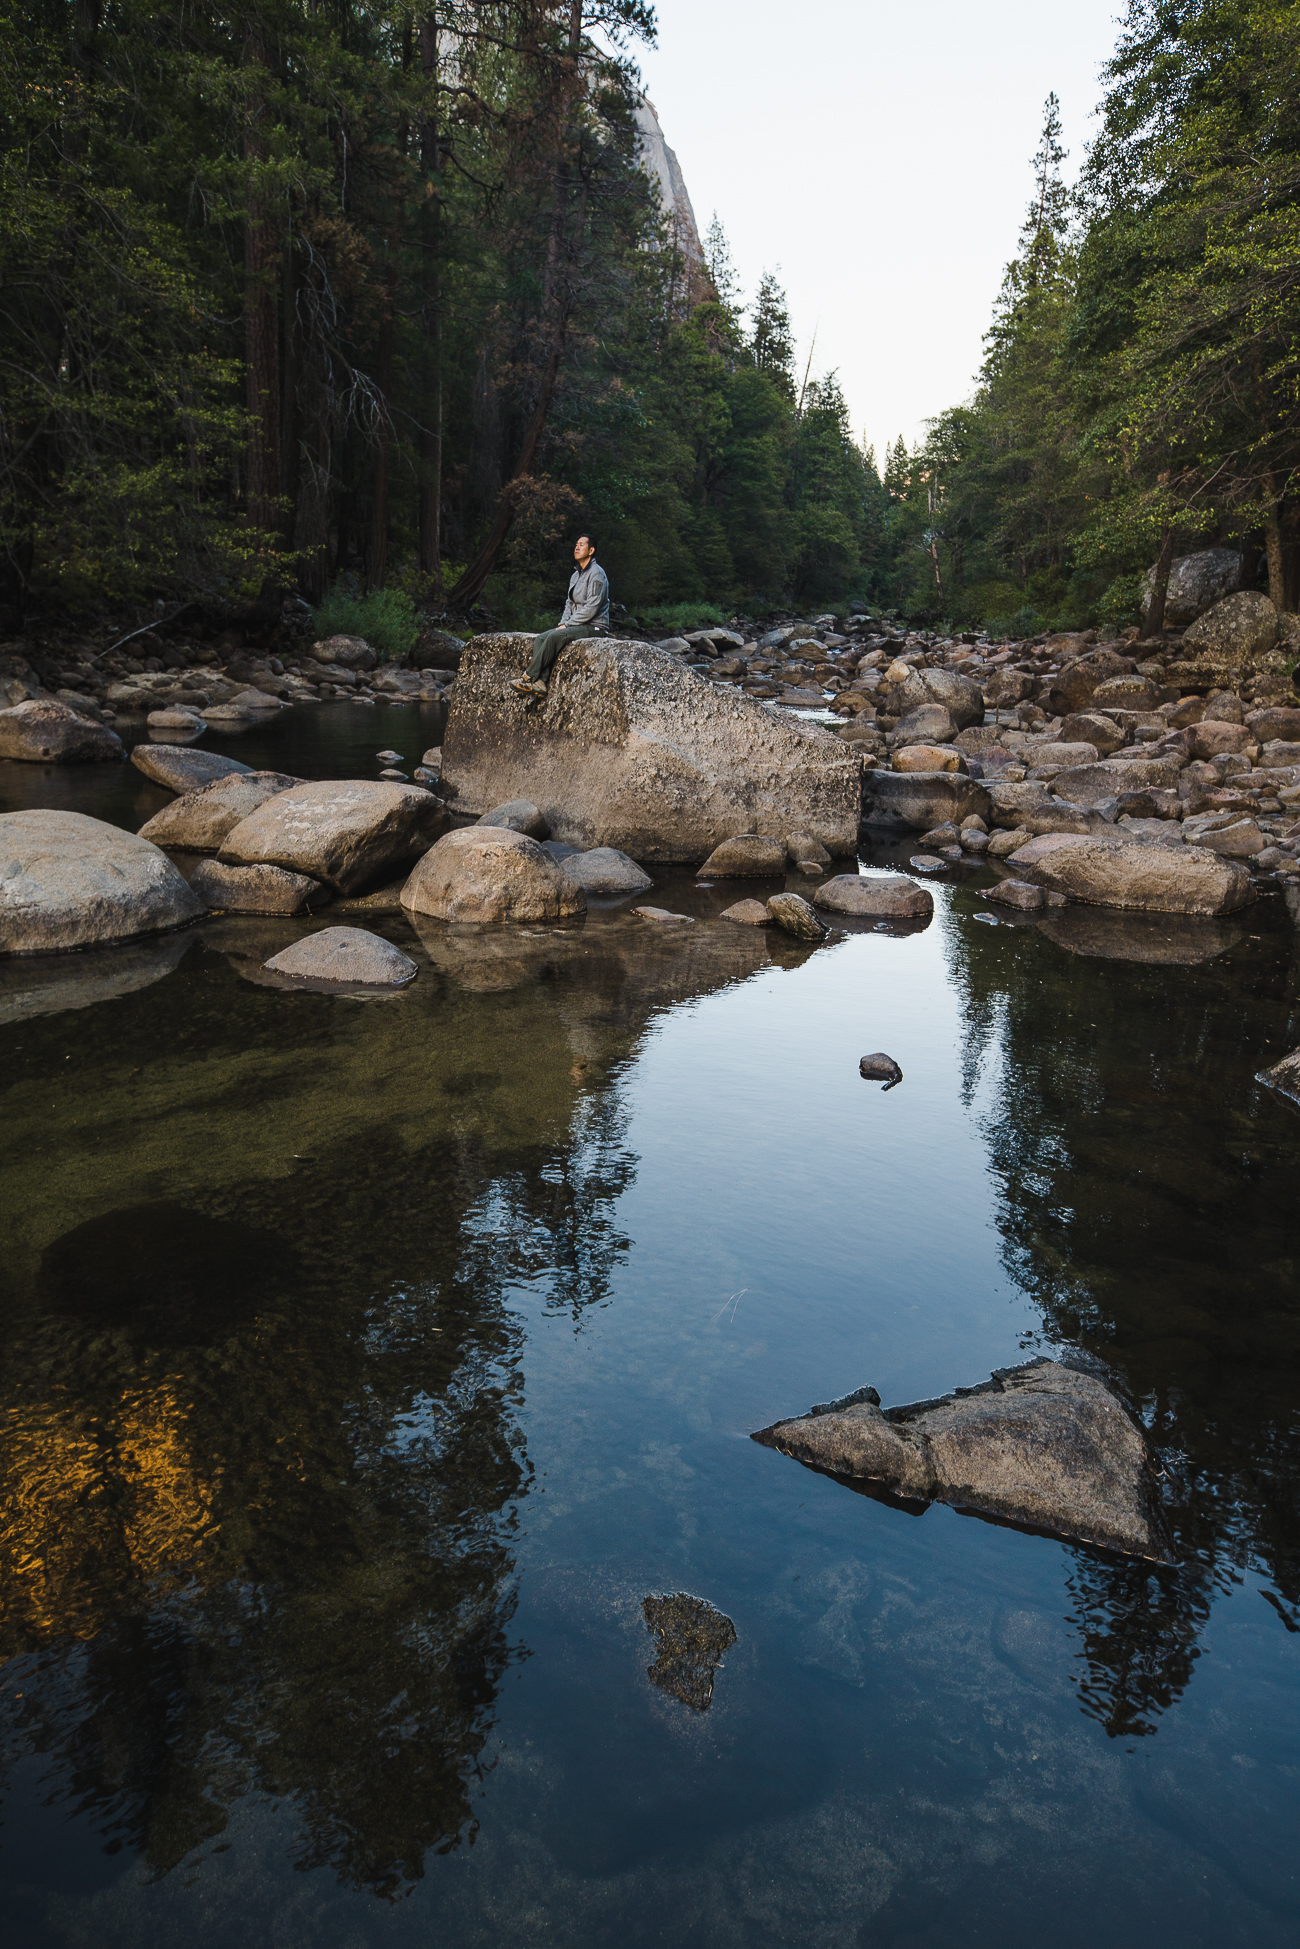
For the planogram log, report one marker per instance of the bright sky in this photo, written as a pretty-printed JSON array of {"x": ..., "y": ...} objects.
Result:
[{"x": 878, "y": 152}]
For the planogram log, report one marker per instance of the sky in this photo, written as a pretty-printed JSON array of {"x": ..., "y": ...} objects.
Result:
[{"x": 879, "y": 154}]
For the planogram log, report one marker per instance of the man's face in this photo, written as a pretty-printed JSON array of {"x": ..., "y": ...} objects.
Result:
[{"x": 582, "y": 551}]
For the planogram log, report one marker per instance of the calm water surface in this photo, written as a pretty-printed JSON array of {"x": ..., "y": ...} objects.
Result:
[{"x": 367, "y": 1363}]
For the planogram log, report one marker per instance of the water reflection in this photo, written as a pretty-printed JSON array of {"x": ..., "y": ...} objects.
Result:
[{"x": 1146, "y": 1201}]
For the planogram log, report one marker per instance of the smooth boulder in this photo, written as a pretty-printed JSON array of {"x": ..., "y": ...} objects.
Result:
[
  {"x": 1043, "y": 1446},
  {"x": 1197, "y": 581},
  {"x": 182, "y": 770},
  {"x": 915, "y": 801},
  {"x": 633, "y": 750},
  {"x": 43, "y": 732},
  {"x": 1126, "y": 873},
  {"x": 876, "y": 898},
  {"x": 927, "y": 724},
  {"x": 347, "y": 956},
  {"x": 345, "y": 831},
  {"x": 199, "y": 821},
  {"x": 491, "y": 873},
  {"x": 67, "y": 881},
  {"x": 746, "y": 857},
  {"x": 257, "y": 889},
  {"x": 747, "y": 913},
  {"x": 930, "y": 758},
  {"x": 605, "y": 873},
  {"x": 520, "y": 815}
]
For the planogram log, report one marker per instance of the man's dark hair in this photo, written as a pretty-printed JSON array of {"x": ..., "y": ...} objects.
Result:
[{"x": 589, "y": 537}]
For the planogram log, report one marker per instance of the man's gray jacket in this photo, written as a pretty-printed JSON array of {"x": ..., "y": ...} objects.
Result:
[{"x": 588, "y": 598}]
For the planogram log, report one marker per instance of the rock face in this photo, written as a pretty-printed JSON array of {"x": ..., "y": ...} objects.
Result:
[
  {"x": 69, "y": 881},
  {"x": 915, "y": 801},
  {"x": 1126, "y": 873},
  {"x": 345, "y": 832},
  {"x": 45, "y": 733},
  {"x": 199, "y": 821},
  {"x": 1197, "y": 581},
  {"x": 895, "y": 898},
  {"x": 1284, "y": 1077},
  {"x": 1042, "y": 1445},
  {"x": 746, "y": 857},
  {"x": 491, "y": 873},
  {"x": 181, "y": 770},
  {"x": 348, "y": 956},
  {"x": 257, "y": 889},
  {"x": 605, "y": 873},
  {"x": 632, "y": 750}
]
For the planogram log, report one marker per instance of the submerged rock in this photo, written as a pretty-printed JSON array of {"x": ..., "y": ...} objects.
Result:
[
  {"x": 491, "y": 873},
  {"x": 1044, "y": 1446},
  {"x": 661, "y": 914},
  {"x": 349, "y": 956},
  {"x": 690, "y": 1637},
  {"x": 43, "y": 732},
  {"x": 69, "y": 881},
  {"x": 748, "y": 913}
]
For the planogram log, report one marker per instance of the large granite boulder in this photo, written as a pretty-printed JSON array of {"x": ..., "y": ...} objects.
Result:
[
  {"x": 43, "y": 732},
  {"x": 1198, "y": 581},
  {"x": 491, "y": 873},
  {"x": 182, "y": 770},
  {"x": 915, "y": 801},
  {"x": 199, "y": 821},
  {"x": 1044, "y": 1445},
  {"x": 343, "y": 831},
  {"x": 69, "y": 881},
  {"x": 960, "y": 696},
  {"x": 926, "y": 724},
  {"x": 1128, "y": 873},
  {"x": 1028, "y": 806},
  {"x": 1236, "y": 630},
  {"x": 632, "y": 750}
]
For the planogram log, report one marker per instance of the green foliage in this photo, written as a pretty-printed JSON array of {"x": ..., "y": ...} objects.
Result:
[
  {"x": 387, "y": 619},
  {"x": 677, "y": 617}
]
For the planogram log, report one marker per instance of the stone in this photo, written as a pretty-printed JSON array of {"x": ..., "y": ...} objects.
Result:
[
  {"x": 432, "y": 758},
  {"x": 662, "y": 914},
  {"x": 1210, "y": 738},
  {"x": 390, "y": 757},
  {"x": 1045, "y": 1446},
  {"x": 380, "y": 900},
  {"x": 1198, "y": 581},
  {"x": 791, "y": 912},
  {"x": 605, "y": 873},
  {"x": 1284, "y": 1077},
  {"x": 439, "y": 648},
  {"x": 348, "y": 652},
  {"x": 938, "y": 836},
  {"x": 343, "y": 831},
  {"x": 880, "y": 1068},
  {"x": 348, "y": 956},
  {"x": 1127, "y": 874},
  {"x": 254, "y": 700},
  {"x": 919, "y": 800},
  {"x": 491, "y": 873},
  {"x": 929, "y": 758},
  {"x": 960, "y": 696},
  {"x": 927, "y": 724},
  {"x": 1002, "y": 844},
  {"x": 1020, "y": 894},
  {"x": 1279, "y": 723},
  {"x": 803, "y": 849},
  {"x": 1028, "y": 805},
  {"x": 1049, "y": 756},
  {"x": 44, "y": 732},
  {"x": 519, "y": 815},
  {"x": 1072, "y": 689},
  {"x": 183, "y": 770},
  {"x": 1235, "y": 631},
  {"x": 750, "y": 913},
  {"x": 877, "y": 897},
  {"x": 1240, "y": 839},
  {"x": 1087, "y": 785},
  {"x": 176, "y": 718},
  {"x": 631, "y": 749},
  {"x": 198, "y": 821},
  {"x": 257, "y": 889},
  {"x": 67, "y": 881},
  {"x": 1277, "y": 753},
  {"x": 690, "y": 1637},
  {"x": 746, "y": 857},
  {"x": 1128, "y": 693}
]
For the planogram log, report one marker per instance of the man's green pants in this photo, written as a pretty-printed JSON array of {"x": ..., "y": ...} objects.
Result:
[{"x": 548, "y": 645}]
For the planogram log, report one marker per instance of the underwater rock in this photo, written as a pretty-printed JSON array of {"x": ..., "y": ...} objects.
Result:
[{"x": 690, "y": 1636}]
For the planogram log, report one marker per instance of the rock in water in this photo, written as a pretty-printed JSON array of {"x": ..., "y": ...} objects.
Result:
[
  {"x": 258, "y": 889},
  {"x": 199, "y": 821},
  {"x": 45, "y": 733},
  {"x": 632, "y": 750},
  {"x": 1284, "y": 1077},
  {"x": 919, "y": 800},
  {"x": 183, "y": 770},
  {"x": 880, "y": 1068},
  {"x": 345, "y": 831},
  {"x": 491, "y": 873},
  {"x": 1127, "y": 873},
  {"x": 1045, "y": 1446},
  {"x": 690, "y": 1637},
  {"x": 518, "y": 815},
  {"x": 347, "y": 955},
  {"x": 69, "y": 881},
  {"x": 792, "y": 912},
  {"x": 663, "y": 914},
  {"x": 747, "y": 913},
  {"x": 746, "y": 857},
  {"x": 894, "y": 898},
  {"x": 606, "y": 873}
]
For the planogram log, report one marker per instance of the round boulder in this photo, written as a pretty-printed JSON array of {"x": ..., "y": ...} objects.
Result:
[
  {"x": 491, "y": 873},
  {"x": 68, "y": 881},
  {"x": 1240, "y": 627},
  {"x": 892, "y": 898},
  {"x": 42, "y": 732},
  {"x": 929, "y": 758},
  {"x": 606, "y": 873},
  {"x": 927, "y": 724},
  {"x": 348, "y": 956},
  {"x": 182, "y": 770},
  {"x": 746, "y": 857}
]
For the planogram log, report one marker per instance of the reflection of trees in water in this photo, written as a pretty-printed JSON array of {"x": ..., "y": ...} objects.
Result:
[
  {"x": 283, "y": 1563},
  {"x": 1146, "y": 1199}
]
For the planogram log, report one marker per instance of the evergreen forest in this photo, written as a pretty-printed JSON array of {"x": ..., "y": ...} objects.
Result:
[{"x": 373, "y": 305}]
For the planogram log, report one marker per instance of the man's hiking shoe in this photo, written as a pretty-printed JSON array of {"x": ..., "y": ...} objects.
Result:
[{"x": 527, "y": 688}]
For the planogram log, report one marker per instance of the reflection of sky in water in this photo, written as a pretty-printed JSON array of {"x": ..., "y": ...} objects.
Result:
[{"x": 558, "y": 1247}]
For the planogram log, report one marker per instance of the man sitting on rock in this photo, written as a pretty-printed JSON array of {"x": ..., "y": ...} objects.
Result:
[{"x": 586, "y": 613}]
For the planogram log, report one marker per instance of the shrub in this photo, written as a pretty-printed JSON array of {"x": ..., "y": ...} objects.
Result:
[
  {"x": 386, "y": 618},
  {"x": 681, "y": 616}
]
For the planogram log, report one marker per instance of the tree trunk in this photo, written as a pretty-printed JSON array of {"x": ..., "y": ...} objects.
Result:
[
  {"x": 261, "y": 334},
  {"x": 377, "y": 553},
  {"x": 430, "y": 515},
  {"x": 1274, "y": 544},
  {"x": 1153, "y": 616},
  {"x": 557, "y": 304}
]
